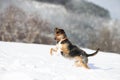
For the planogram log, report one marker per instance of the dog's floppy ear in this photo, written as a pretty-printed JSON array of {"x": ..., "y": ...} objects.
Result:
[
  {"x": 62, "y": 31},
  {"x": 55, "y": 29}
]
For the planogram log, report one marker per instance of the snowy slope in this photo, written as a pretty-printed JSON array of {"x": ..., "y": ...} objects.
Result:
[{"x": 20, "y": 61}]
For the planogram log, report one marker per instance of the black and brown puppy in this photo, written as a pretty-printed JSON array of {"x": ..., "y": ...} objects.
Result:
[{"x": 69, "y": 50}]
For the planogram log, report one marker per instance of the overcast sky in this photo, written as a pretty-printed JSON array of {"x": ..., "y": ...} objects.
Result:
[{"x": 112, "y": 5}]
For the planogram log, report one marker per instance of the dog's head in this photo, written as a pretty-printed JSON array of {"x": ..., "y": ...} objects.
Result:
[{"x": 59, "y": 34}]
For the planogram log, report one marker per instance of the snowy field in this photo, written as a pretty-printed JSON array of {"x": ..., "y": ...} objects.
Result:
[{"x": 19, "y": 61}]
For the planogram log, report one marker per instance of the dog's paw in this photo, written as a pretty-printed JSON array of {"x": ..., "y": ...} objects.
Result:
[
  {"x": 77, "y": 64},
  {"x": 51, "y": 52}
]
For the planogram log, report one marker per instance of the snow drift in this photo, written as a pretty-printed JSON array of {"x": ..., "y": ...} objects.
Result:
[{"x": 19, "y": 61}]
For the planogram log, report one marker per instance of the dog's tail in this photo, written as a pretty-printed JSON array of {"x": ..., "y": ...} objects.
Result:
[{"x": 88, "y": 55}]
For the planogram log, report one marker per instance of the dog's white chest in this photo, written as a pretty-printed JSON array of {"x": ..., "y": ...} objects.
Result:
[{"x": 59, "y": 46}]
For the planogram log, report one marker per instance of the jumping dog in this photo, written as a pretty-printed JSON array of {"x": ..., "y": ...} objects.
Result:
[{"x": 69, "y": 50}]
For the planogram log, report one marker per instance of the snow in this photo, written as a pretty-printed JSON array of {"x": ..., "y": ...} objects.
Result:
[{"x": 20, "y": 61}]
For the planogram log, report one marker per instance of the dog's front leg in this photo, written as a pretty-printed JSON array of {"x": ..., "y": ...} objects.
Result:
[{"x": 53, "y": 49}]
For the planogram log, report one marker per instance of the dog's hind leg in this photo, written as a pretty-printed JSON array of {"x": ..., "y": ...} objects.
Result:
[
  {"x": 85, "y": 65},
  {"x": 79, "y": 62}
]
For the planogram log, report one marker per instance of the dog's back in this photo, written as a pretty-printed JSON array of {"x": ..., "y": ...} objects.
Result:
[{"x": 73, "y": 50}]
